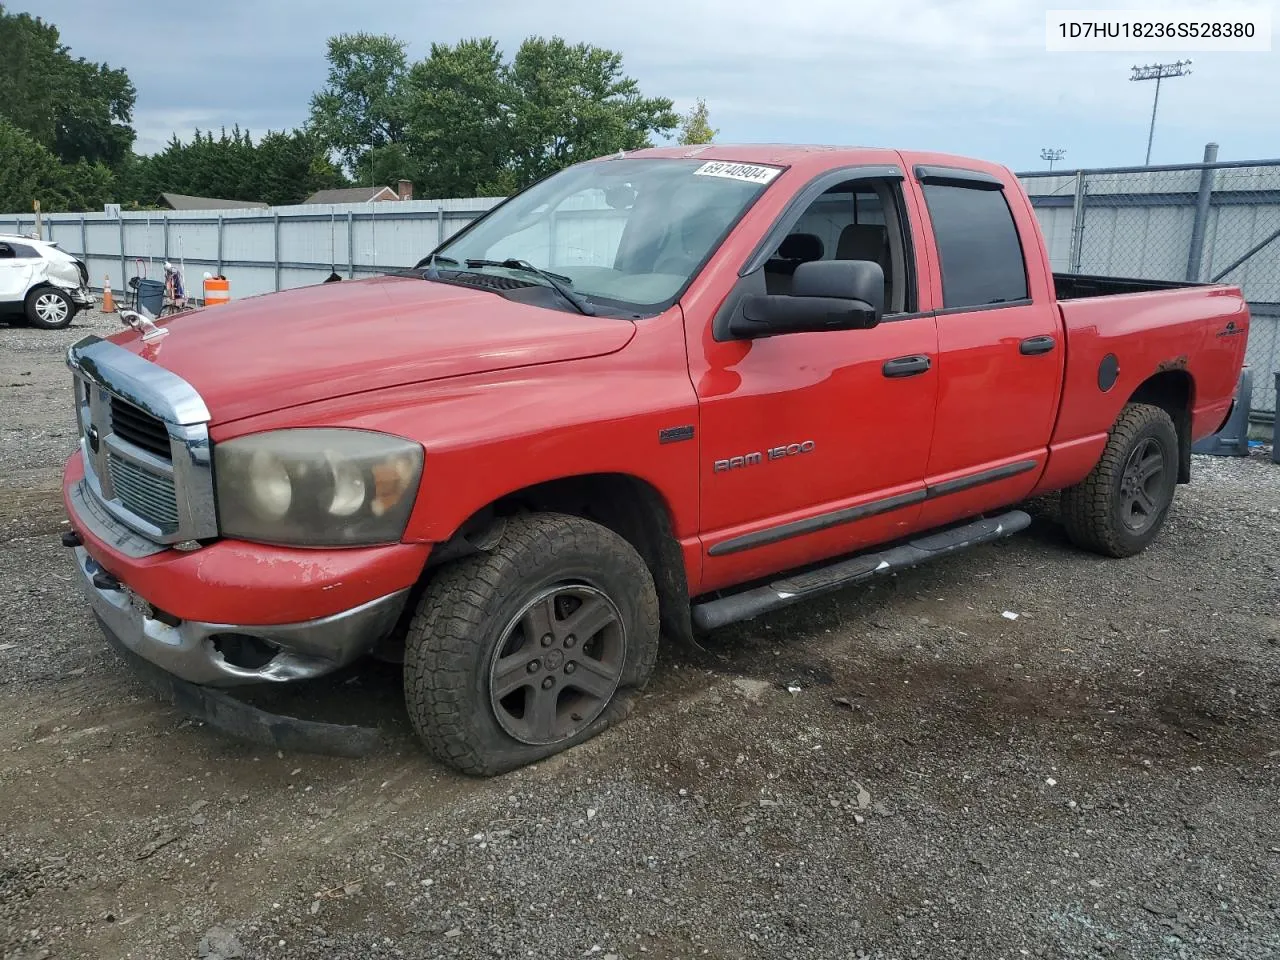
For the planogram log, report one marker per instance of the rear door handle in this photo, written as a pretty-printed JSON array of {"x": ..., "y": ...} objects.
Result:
[
  {"x": 1032, "y": 346},
  {"x": 906, "y": 366}
]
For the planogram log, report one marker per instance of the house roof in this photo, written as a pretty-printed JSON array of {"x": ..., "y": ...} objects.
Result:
[
  {"x": 351, "y": 195},
  {"x": 179, "y": 201}
]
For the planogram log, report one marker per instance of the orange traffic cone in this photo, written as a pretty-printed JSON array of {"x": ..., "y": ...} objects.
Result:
[{"x": 108, "y": 304}]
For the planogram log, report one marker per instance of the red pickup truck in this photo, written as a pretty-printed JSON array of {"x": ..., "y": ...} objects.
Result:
[{"x": 653, "y": 393}]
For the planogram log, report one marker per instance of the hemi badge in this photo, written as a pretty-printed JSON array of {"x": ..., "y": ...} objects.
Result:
[{"x": 675, "y": 434}]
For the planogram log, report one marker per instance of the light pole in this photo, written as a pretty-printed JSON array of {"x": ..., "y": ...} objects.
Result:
[
  {"x": 1158, "y": 72},
  {"x": 1052, "y": 155}
]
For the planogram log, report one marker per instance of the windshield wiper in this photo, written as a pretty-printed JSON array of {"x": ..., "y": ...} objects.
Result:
[
  {"x": 430, "y": 261},
  {"x": 556, "y": 281}
]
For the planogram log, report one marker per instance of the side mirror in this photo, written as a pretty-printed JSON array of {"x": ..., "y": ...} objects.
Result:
[
  {"x": 843, "y": 279},
  {"x": 825, "y": 295}
]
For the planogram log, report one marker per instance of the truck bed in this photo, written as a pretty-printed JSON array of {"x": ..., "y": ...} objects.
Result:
[
  {"x": 1078, "y": 286},
  {"x": 1192, "y": 334}
]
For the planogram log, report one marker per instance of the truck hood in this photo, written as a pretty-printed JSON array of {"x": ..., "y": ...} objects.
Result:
[{"x": 279, "y": 350}]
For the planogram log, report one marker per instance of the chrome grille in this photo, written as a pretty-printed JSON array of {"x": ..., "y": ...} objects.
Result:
[
  {"x": 139, "y": 428},
  {"x": 144, "y": 437},
  {"x": 147, "y": 494}
]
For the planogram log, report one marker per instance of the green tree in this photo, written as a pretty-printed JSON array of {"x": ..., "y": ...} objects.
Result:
[
  {"x": 361, "y": 108},
  {"x": 281, "y": 168},
  {"x": 694, "y": 126},
  {"x": 208, "y": 166},
  {"x": 475, "y": 124},
  {"x": 27, "y": 168},
  {"x": 82, "y": 186},
  {"x": 32, "y": 74},
  {"x": 571, "y": 103},
  {"x": 30, "y": 172},
  {"x": 386, "y": 165},
  {"x": 76, "y": 109},
  {"x": 458, "y": 124},
  {"x": 94, "y": 124},
  {"x": 289, "y": 167}
]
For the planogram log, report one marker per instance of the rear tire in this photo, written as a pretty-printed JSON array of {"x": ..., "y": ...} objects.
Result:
[
  {"x": 532, "y": 647},
  {"x": 49, "y": 308},
  {"x": 1121, "y": 506}
]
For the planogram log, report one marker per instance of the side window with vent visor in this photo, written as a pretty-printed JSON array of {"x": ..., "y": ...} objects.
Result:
[
  {"x": 859, "y": 219},
  {"x": 978, "y": 246}
]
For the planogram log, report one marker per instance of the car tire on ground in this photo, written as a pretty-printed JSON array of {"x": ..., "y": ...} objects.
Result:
[
  {"x": 531, "y": 647},
  {"x": 1120, "y": 507},
  {"x": 49, "y": 308}
]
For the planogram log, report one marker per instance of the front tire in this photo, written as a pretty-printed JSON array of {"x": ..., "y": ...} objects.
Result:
[
  {"x": 49, "y": 308},
  {"x": 1120, "y": 507},
  {"x": 532, "y": 647}
]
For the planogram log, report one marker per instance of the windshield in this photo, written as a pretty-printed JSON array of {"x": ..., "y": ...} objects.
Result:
[{"x": 624, "y": 233}]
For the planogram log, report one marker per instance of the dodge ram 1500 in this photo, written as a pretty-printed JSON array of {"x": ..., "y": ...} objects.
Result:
[{"x": 653, "y": 393}]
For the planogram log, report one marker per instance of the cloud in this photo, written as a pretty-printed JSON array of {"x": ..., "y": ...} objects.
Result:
[{"x": 966, "y": 76}]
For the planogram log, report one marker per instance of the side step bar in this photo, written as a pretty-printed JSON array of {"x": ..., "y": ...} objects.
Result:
[{"x": 710, "y": 614}]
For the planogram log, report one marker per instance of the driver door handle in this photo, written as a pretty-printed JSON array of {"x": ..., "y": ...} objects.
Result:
[
  {"x": 906, "y": 366},
  {"x": 1034, "y": 346}
]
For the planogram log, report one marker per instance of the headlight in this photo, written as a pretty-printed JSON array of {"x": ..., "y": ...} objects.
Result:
[{"x": 316, "y": 486}]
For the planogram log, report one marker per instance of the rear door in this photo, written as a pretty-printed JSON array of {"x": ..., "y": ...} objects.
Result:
[{"x": 1000, "y": 344}]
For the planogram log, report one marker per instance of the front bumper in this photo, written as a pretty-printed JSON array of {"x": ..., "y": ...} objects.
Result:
[
  {"x": 198, "y": 651},
  {"x": 223, "y": 712},
  {"x": 83, "y": 299},
  {"x": 265, "y": 591}
]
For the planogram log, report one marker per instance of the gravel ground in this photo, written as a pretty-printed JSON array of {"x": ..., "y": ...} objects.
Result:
[{"x": 1097, "y": 778}]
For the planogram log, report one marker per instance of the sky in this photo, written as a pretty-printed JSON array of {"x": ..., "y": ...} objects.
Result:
[{"x": 963, "y": 76}]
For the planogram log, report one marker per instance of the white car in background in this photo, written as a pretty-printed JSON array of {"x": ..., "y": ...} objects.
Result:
[{"x": 40, "y": 282}]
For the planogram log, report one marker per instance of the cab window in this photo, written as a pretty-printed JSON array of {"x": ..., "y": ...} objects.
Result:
[
  {"x": 855, "y": 220},
  {"x": 978, "y": 246}
]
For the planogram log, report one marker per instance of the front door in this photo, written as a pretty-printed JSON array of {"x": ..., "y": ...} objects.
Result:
[{"x": 815, "y": 444}]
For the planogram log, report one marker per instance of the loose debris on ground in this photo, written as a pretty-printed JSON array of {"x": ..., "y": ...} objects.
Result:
[{"x": 896, "y": 772}]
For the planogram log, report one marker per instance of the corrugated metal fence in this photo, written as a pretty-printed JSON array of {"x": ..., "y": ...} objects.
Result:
[
  {"x": 259, "y": 250},
  {"x": 1206, "y": 221}
]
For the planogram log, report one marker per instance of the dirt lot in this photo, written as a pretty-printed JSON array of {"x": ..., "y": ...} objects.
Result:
[{"x": 1097, "y": 778}]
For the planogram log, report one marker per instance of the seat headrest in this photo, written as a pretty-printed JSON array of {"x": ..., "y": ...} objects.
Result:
[
  {"x": 801, "y": 246},
  {"x": 862, "y": 241}
]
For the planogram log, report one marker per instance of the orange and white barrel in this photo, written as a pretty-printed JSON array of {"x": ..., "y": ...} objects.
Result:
[{"x": 217, "y": 291}]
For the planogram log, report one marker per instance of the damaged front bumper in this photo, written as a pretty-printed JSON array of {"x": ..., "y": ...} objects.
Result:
[
  {"x": 229, "y": 613},
  {"x": 244, "y": 721},
  {"x": 182, "y": 661},
  {"x": 226, "y": 654}
]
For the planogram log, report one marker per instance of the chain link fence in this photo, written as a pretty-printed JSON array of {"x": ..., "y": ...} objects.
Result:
[{"x": 1206, "y": 222}]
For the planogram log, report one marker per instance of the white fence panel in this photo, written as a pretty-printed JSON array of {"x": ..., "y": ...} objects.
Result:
[{"x": 1134, "y": 222}]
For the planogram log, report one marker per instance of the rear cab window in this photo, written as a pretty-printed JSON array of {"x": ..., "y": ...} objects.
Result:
[{"x": 979, "y": 250}]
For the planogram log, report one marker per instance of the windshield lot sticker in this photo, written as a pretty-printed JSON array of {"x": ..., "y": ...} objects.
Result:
[{"x": 750, "y": 172}]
